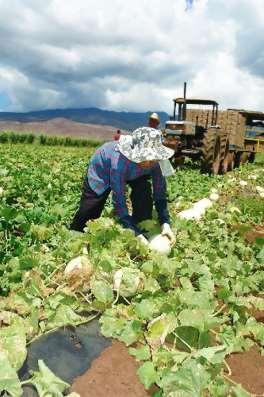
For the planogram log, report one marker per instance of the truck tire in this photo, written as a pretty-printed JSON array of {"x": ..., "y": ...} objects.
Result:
[
  {"x": 251, "y": 157},
  {"x": 241, "y": 158},
  {"x": 213, "y": 150},
  {"x": 244, "y": 158},
  {"x": 227, "y": 164},
  {"x": 237, "y": 159}
]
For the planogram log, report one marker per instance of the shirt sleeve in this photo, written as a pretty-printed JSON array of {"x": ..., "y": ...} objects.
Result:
[
  {"x": 117, "y": 185},
  {"x": 159, "y": 195}
]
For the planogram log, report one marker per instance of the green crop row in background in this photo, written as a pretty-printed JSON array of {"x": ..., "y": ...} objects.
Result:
[{"x": 13, "y": 137}]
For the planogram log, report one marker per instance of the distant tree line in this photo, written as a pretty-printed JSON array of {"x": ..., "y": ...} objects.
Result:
[{"x": 12, "y": 137}]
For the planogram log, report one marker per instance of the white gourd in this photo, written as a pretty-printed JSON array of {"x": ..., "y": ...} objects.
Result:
[
  {"x": 117, "y": 279},
  {"x": 197, "y": 210},
  {"x": 259, "y": 189},
  {"x": 160, "y": 244},
  {"x": 190, "y": 214},
  {"x": 203, "y": 204},
  {"x": 243, "y": 183},
  {"x": 214, "y": 196},
  {"x": 80, "y": 262}
]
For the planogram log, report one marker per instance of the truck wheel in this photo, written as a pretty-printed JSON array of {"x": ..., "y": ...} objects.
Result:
[
  {"x": 228, "y": 162},
  {"x": 241, "y": 158},
  {"x": 213, "y": 150},
  {"x": 251, "y": 157},
  {"x": 244, "y": 158},
  {"x": 237, "y": 158}
]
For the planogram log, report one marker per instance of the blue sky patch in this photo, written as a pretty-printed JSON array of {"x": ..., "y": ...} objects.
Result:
[{"x": 4, "y": 101}]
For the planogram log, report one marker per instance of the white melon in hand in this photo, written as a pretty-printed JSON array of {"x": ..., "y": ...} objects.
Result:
[{"x": 160, "y": 244}]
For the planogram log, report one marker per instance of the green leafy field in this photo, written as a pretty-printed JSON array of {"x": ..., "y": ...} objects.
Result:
[{"x": 180, "y": 316}]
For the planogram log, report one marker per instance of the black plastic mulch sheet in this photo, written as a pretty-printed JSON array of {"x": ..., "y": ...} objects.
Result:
[{"x": 68, "y": 352}]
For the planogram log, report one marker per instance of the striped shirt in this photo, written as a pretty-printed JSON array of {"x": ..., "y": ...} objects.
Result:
[{"x": 109, "y": 168}]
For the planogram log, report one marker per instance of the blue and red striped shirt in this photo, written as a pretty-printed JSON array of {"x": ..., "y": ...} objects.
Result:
[{"x": 108, "y": 168}]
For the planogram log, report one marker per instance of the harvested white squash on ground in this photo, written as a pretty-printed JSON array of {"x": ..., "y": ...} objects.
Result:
[
  {"x": 243, "y": 183},
  {"x": 191, "y": 213},
  {"x": 79, "y": 263},
  {"x": 197, "y": 210},
  {"x": 260, "y": 191},
  {"x": 78, "y": 272},
  {"x": 214, "y": 196},
  {"x": 160, "y": 244},
  {"x": 203, "y": 204}
]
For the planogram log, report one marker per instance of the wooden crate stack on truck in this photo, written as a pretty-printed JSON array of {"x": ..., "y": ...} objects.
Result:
[{"x": 222, "y": 139}]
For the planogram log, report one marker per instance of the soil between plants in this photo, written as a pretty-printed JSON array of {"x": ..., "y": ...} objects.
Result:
[
  {"x": 256, "y": 232},
  {"x": 248, "y": 370},
  {"x": 112, "y": 374}
]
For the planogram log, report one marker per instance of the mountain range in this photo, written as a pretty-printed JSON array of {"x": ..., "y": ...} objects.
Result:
[
  {"x": 89, "y": 123},
  {"x": 122, "y": 120}
]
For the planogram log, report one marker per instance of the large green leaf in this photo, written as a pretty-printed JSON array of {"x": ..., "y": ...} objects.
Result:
[
  {"x": 111, "y": 325},
  {"x": 233, "y": 341},
  {"x": 160, "y": 328},
  {"x": 148, "y": 308},
  {"x": 141, "y": 354},
  {"x": 9, "y": 381},
  {"x": 253, "y": 327},
  {"x": 214, "y": 354},
  {"x": 13, "y": 344},
  {"x": 64, "y": 315},
  {"x": 189, "y": 381},
  {"x": 46, "y": 383},
  {"x": 147, "y": 374},
  {"x": 187, "y": 338},
  {"x": 131, "y": 332},
  {"x": 198, "y": 318},
  {"x": 132, "y": 281},
  {"x": 102, "y": 291}
]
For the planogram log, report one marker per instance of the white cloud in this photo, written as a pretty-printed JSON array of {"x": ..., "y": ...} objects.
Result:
[
  {"x": 130, "y": 55},
  {"x": 232, "y": 87}
]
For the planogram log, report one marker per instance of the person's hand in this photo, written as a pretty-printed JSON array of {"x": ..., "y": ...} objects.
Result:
[
  {"x": 166, "y": 231},
  {"x": 143, "y": 239}
]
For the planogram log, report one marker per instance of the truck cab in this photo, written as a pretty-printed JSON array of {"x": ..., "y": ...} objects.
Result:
[{"x": 186, "y": 128}]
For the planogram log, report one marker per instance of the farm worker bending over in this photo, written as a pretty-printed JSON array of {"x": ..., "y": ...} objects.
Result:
[{"x": 133, "y": 160}]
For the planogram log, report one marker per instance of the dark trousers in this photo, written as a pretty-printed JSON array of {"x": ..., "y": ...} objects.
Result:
[{"x": 92, "y": 204}]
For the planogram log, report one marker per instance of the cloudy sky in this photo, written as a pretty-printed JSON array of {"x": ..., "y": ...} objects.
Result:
[{"x": 131, "y": 55}]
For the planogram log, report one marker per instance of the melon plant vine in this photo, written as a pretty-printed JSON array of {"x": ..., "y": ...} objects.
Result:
[{"x": 180, "y": 316}]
